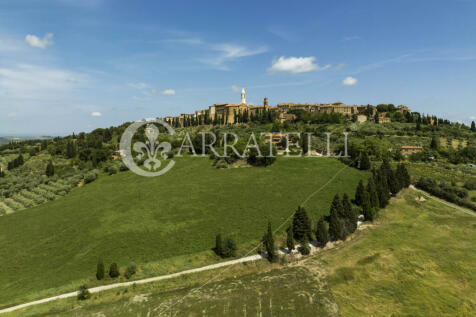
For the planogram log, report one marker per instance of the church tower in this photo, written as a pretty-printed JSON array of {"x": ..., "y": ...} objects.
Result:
[{"x": 243, "y": 96}]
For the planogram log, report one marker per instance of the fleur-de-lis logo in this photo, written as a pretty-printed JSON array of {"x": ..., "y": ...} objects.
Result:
[{"x": 151, "y": 150}]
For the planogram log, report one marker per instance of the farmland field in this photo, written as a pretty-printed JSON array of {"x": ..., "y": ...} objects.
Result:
[
  {"x": 416, "y": 260},
  {"x": 164, "y": 224}
]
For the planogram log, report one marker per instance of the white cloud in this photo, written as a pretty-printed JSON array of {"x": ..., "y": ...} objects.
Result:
[
  {"x": 296, "y": 65},
  {"x": 12, "y": 115},
  {"x": 230, "y": 52},
  {"x": 349, "y": 81},
  {"x": 472, "y": 118},
  {"x": 35, "y": 41},
  {"x": 36, "y": 82},
  {"x": 339, "y": 67},
  {"x": 235, "y": 88},
  {"x": 169, "y": 92},
  {"x": 96, "y": 114}
]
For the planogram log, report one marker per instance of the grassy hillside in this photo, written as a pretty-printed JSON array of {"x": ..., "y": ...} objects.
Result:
[
  {"x": 156, "y": 222},
  {"x": 417, "y": 260}
]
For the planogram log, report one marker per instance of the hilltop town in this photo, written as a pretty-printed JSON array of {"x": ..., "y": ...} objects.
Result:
[{"x": 232, "y": 113}]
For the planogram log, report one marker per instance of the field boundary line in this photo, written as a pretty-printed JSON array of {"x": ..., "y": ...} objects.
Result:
[{"x": 444, "y": 202}]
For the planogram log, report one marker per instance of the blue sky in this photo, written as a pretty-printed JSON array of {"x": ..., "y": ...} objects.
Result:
[{"x": 76, "y": 65}]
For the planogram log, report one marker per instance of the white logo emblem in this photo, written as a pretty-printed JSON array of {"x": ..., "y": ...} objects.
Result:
[{"x": 149, "y": 151}]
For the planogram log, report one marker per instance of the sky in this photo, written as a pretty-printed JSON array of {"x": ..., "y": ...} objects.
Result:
[{"x": 75, "y": 65}]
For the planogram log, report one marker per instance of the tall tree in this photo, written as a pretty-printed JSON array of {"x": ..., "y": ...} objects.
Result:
[
  {"x": 322, "y": 234},
  {"x": 359, "y": 192},
  {"x": 301, "y": 224},
  {"x": 473, "y": 126},
  {"x": 336, "y": 224},
  {"x": 100, "y": 270},
  {"x": 290, "y": 239},
  {"x": 364, "y": 161},
  {"x": 50, "y": 169},
  {"x": 218, "y": 245},
  {"x": 403, "y": 176},
  {"x": 435, "y": 143},
  {"x": 367, "y": 209},
  {"x": 113, "y": 270},
  {"x": 270, "y": 244},
  {"x": 373, "y": 195},
  {"x": 393, "y": 183},
  {"x": 350, "y": 218}
]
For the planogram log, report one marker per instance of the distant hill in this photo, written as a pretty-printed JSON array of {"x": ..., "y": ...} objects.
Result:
[{"x": 8, "y": 139}]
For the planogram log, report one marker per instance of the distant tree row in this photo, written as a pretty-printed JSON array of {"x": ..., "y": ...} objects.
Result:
[
  {"x": 16, "y": 162},
  {"x": 114, "y": 271}
]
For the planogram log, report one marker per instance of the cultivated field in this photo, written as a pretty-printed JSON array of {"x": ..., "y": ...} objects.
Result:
[
  {"x": 164, "y": 224},
  {"x": 416, "y": 260}
]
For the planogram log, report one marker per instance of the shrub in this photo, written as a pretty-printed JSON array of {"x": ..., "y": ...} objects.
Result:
[
  {"x": 90, "y": 177},
  {"x": 83, "y": 293},
  {"x": 221, "y": 163},
  {"x": 113, "y": 271},
  {"x": 112, "y": 170},
  {"x": 470, "y": 184},
  {"x": 130, "y": 270},
  {"x": 123, "y": 167}
]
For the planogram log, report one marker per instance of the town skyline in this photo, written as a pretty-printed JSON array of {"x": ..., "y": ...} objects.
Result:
[{"x": 67, "y": 67}]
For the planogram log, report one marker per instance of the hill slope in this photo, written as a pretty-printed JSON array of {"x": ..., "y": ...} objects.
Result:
[{"x": 161, "y": 221}]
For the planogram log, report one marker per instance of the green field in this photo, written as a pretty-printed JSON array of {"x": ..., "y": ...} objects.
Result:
[
  {"x": 416, "y": 260},
  {"x": 163, "y": 224}
]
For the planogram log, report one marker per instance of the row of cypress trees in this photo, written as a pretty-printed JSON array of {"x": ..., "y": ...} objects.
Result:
[
  {"x": 384, "y": 183},
  {"x": 113, "y": 270}
]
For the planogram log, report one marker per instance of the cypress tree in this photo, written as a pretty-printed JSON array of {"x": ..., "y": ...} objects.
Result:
[
  {"x": 473, "y": 126},
  {"x": 350, "y": 218},
  {"x": 364, "y": 161},
  {"x": 336, "y": 226},
  {"x": 270, "y": 244},
  {"x": 373, "y": 195},
  {"x": 100, "y": 270},
  {"x": 359, "y": 193},
  {"x": 367, "y": 209},
  {"x": 113, "y": 270},
  {"x": 218, "y": 245},
  {"x": 322, "y": 234},
  {"x": 403, "y": 176},
  {"x": 50, "y": 169},
  {"x": 393, "y": 182},
  {"x": 301, "y": 224},
  {"x": 290, "y": 239},
  {"x": 304, "y": 248}
]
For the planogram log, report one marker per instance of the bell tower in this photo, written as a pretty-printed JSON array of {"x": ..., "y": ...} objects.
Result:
[{"x": 243, "y": 96}]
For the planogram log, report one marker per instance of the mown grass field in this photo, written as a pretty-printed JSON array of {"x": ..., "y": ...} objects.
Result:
[
  {"x": 164, "y": 224},
  {"x": 417, "y": 260}
]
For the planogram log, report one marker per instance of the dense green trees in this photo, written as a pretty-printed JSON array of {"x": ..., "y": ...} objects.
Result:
[
  {"x": 17, "y": 162},
  {"x": 226, "y": 248}
]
